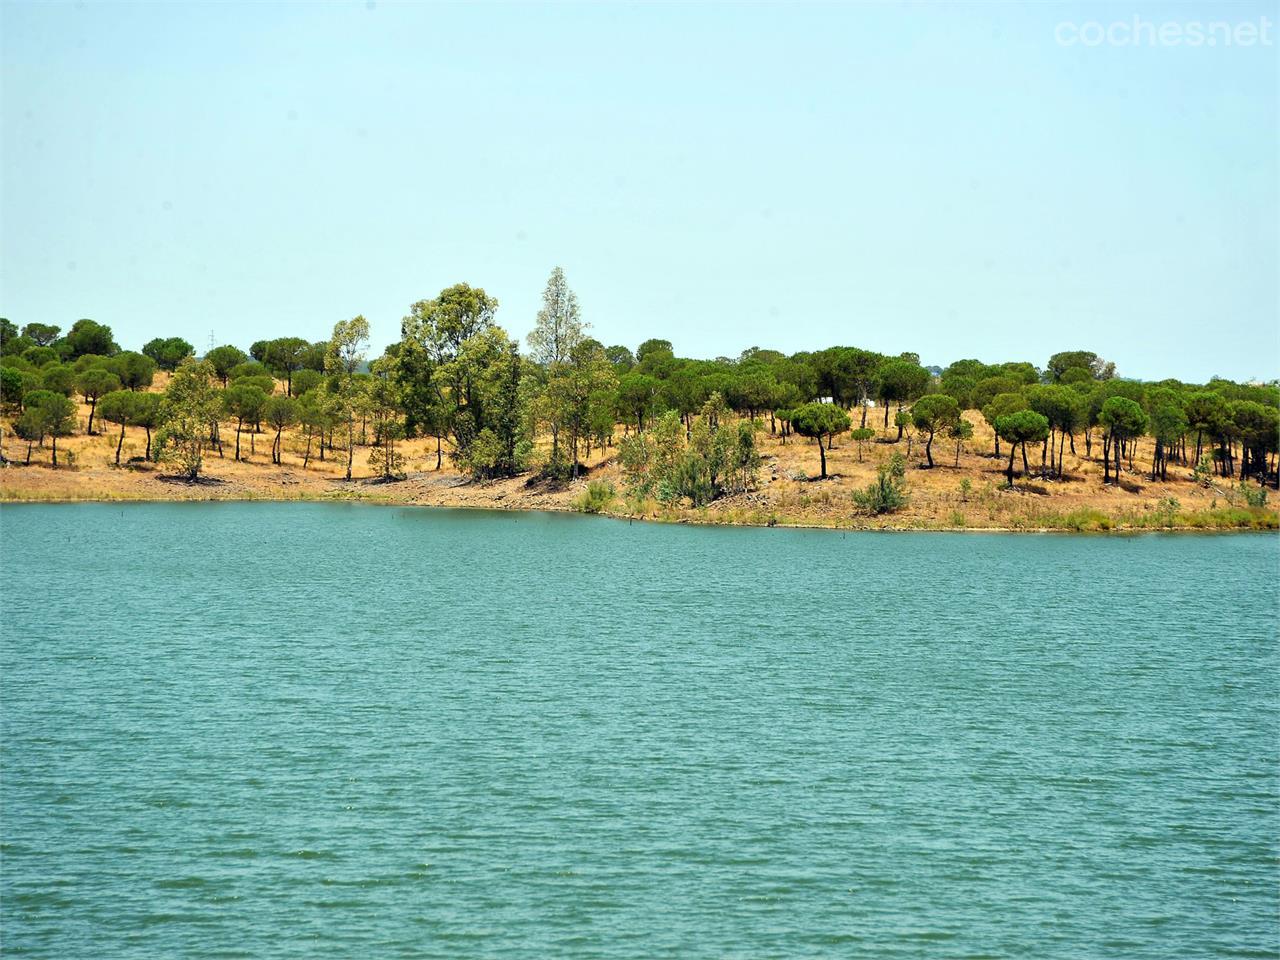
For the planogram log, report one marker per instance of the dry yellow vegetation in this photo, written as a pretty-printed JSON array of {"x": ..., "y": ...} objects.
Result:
[{"x": 967, "y": 494}]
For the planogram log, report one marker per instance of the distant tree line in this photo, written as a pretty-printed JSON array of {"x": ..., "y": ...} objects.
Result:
[{"x": 684, "y": 429}]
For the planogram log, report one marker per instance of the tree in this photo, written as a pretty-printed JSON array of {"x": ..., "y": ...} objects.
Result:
[
  {"x": 636, "y": 395},
  {"x": 42, "y": 334},
  {"x": 576, "y": 389},
  {"x": 190, "y": 406},
  {"x": 932, "y": 413},
  {"x": 1207, "y": 415},
  {"x": 118, "y": 407},
  {"x": 29, "y": 427},
  {"x": 250, "y": 368},
  {"x": 85, "y": 336},
  {"x": 280, "y": 413},
  {"x": 654, "y": 350},
  {"x": 900, "y": 381},
  {"x": 284, "y": 357},
  {"x": 346, "y": 354},
  {"x": 58, "y": 377},
  {"x": 93, "y": 384},
  {"x": 1256, "y": 427},
  {"x": 146, "y": 414},
  {"x": 53, "y": 414},
  {"x": 313, "y": 358},
  {"x": 861, "y": 436},
  {"x": 1124, "y": 420},
  {"x": 384, "y": 400},
  {"x": 11, "y": 391},
  {"x": 316, "y": 416},
  {"x": 225, "y": 359},
  {"x": 557, "y": 334},
  {"x": 1019, "y": 429},
  {"x": 558, "y": 328},
  {"x": 1001, "y": 405},
  {"x": 818, "y": 420},
  {"x": 621, "y": 358},
  {"x": 960, "y": 431},
  {"x": 306, "y": 379},
  {"x": 168, "y": 352},
  {"x": 246, "y": 403},
  {"x": 39, "y": 356},
  {"x": 1060, "y": 363},
  {"x": 1168, "y": 425},
  {"x": 444, "y": 324},
  {"x": 1065, "y": 410},
  {"x": 902, "y": 420},
  {"x": 490, "y": 428},
  {"x": 135, "y": 370}
]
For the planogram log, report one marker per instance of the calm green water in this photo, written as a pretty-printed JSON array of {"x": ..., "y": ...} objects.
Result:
[{"x": 270, "y": 730}]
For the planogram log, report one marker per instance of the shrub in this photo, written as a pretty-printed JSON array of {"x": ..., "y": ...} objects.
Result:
[
  {"x": 1203, "y": 472},
  {"x": 598, "y": 495},
  {"x": 887, "y": 493},
  {"x": 1253, "y": 496}
]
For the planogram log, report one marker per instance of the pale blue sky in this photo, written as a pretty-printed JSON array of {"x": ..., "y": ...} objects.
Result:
[{"x": 947, "y": 179}]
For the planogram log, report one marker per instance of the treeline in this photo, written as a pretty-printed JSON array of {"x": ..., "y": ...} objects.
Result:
[{"x": 687, "y": 426}]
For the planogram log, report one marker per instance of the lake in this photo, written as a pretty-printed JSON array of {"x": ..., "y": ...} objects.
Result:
[{"x": 319, "y": 730}]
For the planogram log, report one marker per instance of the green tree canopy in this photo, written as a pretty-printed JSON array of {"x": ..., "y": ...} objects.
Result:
[
  {"x": 932, "y": 413},
  {"x": 168, "y": 352},
  {"x": 818, "y": 420}
]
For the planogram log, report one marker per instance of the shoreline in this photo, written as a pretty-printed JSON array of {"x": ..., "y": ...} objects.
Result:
[
  {"x": 676, "y": 517},
  {"x": 965, "y": 492}
]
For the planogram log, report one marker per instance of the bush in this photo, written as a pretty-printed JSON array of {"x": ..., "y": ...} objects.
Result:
[
  {"x": 1251, "y": 495},
  {"x": 598, "y": 495},
  {"x": 888, "y": 493},
  {"x": 1203, "y": 472},
  {"x": 557, "y": 469}
]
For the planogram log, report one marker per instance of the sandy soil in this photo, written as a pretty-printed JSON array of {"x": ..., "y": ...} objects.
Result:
[{"x": 787, "y": 494}]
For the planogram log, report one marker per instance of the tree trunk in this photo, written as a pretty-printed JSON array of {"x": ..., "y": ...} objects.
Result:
[
  {"x": 823, "y": 454},
  {"x": 438, "y": 461},
  {"x": 928, "y": 449},
  {"x": 1013, "y": 449},
  {"x": 55, "y": 451},
  {"x": 148, "y": 444},
  {"x": 93, "y": 406},
  {"x": 351, "y": 443},
  {"x": 119, "y": 443},
  {"x": 239, "y": 425}
]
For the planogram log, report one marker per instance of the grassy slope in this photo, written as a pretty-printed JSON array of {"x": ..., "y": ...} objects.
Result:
[{"x": 785, "y": 496}]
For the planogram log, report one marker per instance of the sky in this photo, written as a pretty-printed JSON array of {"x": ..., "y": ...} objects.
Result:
[{"x": 955, "y": 180}]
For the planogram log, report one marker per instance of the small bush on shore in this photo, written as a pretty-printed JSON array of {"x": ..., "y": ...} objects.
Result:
[
  {"x": 888, "y": 493},
  {"x": 597, "y": 497}
]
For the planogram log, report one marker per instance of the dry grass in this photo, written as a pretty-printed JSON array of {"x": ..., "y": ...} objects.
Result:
[{"x": 970, "y": 496}]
